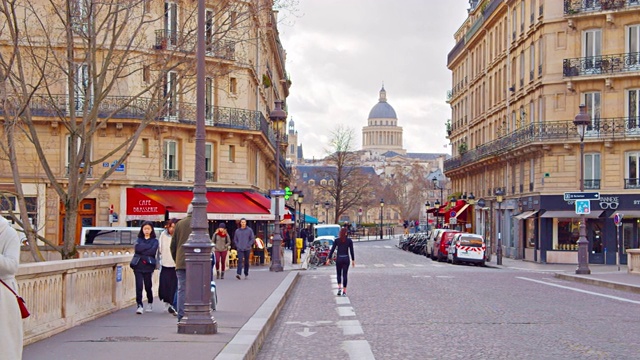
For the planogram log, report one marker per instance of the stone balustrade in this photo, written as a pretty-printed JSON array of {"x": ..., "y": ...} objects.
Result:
[
  {"x": 633, "y": 261},
  {"x": 62, "y": 294}
]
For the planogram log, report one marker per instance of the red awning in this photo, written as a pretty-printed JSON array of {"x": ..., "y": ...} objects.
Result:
[
  {"x": 221, "y": 206},
  {"x": 457, "y": 210}
]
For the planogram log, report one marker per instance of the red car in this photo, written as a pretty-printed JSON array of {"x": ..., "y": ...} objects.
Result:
[{"x": 441, "y": 244}]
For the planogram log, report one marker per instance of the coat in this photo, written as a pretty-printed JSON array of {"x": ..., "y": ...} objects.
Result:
[
  {"x": 221, "y": 243},
  {"x": 165, "y": 250},
  {"x": 180, "y": 236},
  {"x": 244, "y": 239},
  {"x": 11, "y": 323},
  {"x": 147, "y": 250}
]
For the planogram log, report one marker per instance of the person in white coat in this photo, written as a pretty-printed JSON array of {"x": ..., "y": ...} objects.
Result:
[{"x": 11, "y": 323}]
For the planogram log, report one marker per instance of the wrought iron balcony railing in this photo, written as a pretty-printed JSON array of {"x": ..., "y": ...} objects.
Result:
[
  {"x": 171, "y": 39},
  {"x": 171, "y": 175},
  {"x": 591, "y": 184},
  {"x": 549, "y": 133},
  {"x": 572, "y": 7},
  {"x": 632, "y": 183},
  {"x": 599, "y": 65},
  {"x": 211, "y": 176}
]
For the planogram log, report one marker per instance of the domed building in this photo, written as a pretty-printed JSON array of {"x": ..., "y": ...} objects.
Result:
[{"x": 382, "y": 134}]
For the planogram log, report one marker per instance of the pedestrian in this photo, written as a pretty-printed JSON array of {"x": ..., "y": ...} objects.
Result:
[
  {"x": 168, "y": 280},
  {"x": 11, "y": 323},
  {"x": 179, "y": 238},
  {"x": 146, "y": 249},
  {"x": 221, "y": 244},
  {"x": 344, "y": 244},
  {"x": 304, "y": 233},
  {"x": 244, "y": 240}
]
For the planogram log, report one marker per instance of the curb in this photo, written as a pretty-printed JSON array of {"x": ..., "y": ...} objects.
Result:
[
  {"x": 592, "y": 281},
  {"x": 247, "y": 342}
]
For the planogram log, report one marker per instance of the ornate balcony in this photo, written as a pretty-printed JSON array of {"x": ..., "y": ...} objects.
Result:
[
  {"x": 171, "y": 175},
  {"x": 601, "y": 65},
  {"x": 572, "y": 7},
  {"x": 170, "y": 39},
  {"x": 632, "y": 183},
  {"x": 591, "y": 184}
]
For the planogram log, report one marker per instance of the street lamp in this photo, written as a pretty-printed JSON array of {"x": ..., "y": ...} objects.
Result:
[
  {"x": 435, "y": 186},
  {"x": 581, "y": 121},
  {"x": 471, "y": 200},
  {"x": 427, "y": 206},
  {"x": 499, "y": 197},
  {"x": 359, "y": 217},
  {"x": 327, "y": 205},
  {"x": 294, "y": 252},
  {"x": 437, "y": 214},
  {"x": 303, "y": 216},
  {"x": 381, "y": 207},
  {"x": 277, "y": 116},
  {"x": 198, "y": 318},
  {"x": 481, "y": 204},
  {"x": 315, "y": 209}
]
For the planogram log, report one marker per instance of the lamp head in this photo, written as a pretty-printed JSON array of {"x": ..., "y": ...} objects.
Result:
[
  {"x": 499, "y": 195},
  {"x": 278, "y": 115},
  {"x": 437, "y": 203},
  {"x": 381, "y": 202},
  {"x": 582, "y": 120}
]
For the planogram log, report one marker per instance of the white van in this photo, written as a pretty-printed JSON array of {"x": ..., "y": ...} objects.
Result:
[
  {"x": 326, "y": 231},
  {"x": 106, "y": 235},
  {"x": 467, "y": 247}
]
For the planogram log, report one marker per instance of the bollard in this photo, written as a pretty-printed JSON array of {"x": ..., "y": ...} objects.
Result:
[{"x": 298, "y": 249}]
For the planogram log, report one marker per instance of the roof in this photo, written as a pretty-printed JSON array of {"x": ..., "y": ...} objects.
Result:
[
  {"x": 317, "y": 173},
  {"x": 382, "y": 110}
]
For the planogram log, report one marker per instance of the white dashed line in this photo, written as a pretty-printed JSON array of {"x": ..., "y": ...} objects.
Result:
[
  {"x": 379, "y": 265},
  {"x": 358, "y": 350},
  {"x": 345, "y": 311},
  {"x": 350, "y": 327},
  {"x": 388, "y": 247},
  {"x": 399, "y": 265},
  {"x": 342, "y": 300},
  {"x": 580, "y": 290}
]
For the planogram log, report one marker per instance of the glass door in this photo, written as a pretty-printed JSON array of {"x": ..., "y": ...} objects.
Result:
[{"x": 596, "y": 239}]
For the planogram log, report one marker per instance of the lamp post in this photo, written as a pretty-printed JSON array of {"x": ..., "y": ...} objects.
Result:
[
  {"x": 581, "y": 121},
  {"x": 315, "y": 209},
  {"x": 427, "y": 206},
  {"x": 499, "y": 197},
  {"x": 327, "y": 205},
  {"x": 303, "y": 216},
  {"x": 441, "y": 188},
  {"x": 471, "y": 200},
  {"x": 294, "y": 248},
  {"x": 277, "y": 116},
  {"x": 198, "y": 318},
  {"x": 481, "y": 204},
  {"x": 381, "y": 207},
  {"x": 437, "y": 205},
  {"x": 359, "y": 217}
]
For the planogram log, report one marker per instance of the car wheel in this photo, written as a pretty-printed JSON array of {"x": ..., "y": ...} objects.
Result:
[
  {"x": 481, "y": 263},
  {"x": 454, "y": 259},
  {"x": 440, "y": 259}
]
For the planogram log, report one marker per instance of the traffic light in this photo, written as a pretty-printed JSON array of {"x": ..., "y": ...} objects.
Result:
[{"x": 287, "y": 193}]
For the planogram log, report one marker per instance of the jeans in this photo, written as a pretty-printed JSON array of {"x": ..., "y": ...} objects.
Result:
[
  {"x": 182, "y": 289},
  {"x": 221, "y": 258},
  {"x": 143, "y": 278},
  {"x": 243, "y": 258}
]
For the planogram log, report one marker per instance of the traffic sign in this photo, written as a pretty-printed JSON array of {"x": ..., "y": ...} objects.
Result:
[
  {"x": 592, "y": 195},
  {"x": 617, "y": 219},
  {"x": 276, "y": 192},
  {"x": 453, "y": 221},
  {"x": 583, "y": 207},
  {"x": 452, "y": 214}
]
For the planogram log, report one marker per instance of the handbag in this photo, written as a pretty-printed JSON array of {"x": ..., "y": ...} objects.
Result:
[
  {"x": 24, "y": 312},
  {"x": 134, "y": 260}
]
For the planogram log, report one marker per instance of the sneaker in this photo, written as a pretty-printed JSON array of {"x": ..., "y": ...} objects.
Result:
[
  {"x": 339, "y": 292},
  {"x": 238, "y": 276},
  {"x": 140, "y": 310},
  {"x": 172, "y": 310},
  {"x": 149, "y": 308},
  {"x": 246, "y": 277},
  {"x": 344, "y": 293}
]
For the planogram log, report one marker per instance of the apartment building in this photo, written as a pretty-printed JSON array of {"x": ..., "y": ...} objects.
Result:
[
  {"x": 520, "y": 71},
  {"x": 104, "y": 109}
]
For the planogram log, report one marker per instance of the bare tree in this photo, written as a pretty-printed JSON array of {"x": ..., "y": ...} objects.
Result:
[
  {"x": 79, "y": 65},
  {"x": 406, "y": 189},
  {"x": 347, "y": 183}
]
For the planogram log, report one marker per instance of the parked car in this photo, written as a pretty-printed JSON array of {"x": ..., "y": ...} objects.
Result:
[
  {"x": 468, "y": 248},
  {"x": 432, "y": 237},
  {"x": 441, "y": 244}
]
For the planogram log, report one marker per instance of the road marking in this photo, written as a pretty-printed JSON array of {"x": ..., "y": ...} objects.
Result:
[
  {"x": 358, "y": 350},
  {"x": 345, "y": 311},
  {"x": 420, "y": 276},
  {"x": 388, "y": 247},
  {"x": 580, "y": 290},
  {"x": 445, "y": 277},
  {"x": 399, "y": 265},
  {"x": 305, "y": 332},
  {"x": 350, "y": 327},
  {"x": 308, "y": 323},
  {"x": 379, "y": 265},
  {"x": 419, "y": 265},
  {"x": 342, "y": 300},
  {"x": 438, "y": 265}
]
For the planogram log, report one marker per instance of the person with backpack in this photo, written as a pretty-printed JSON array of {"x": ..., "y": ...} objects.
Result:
[{"x": 221, "y": 244}]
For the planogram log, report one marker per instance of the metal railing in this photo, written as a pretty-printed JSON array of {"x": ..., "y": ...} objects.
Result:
[
  {"x": 632, "y": 183},
  {"x": 602, "y": 64},
  {"x": 572, "y": 7},
  {"x": 170, "y": 39},
  {"x": 592, "y": 184},
  {"x": 171, "y": 175}
]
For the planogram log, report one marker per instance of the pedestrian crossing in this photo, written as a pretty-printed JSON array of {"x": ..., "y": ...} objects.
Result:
[{"x": 422, "y": 265}]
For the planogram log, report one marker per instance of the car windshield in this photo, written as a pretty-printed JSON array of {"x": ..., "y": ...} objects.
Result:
[
  {"x": 323, "y": 242},
  {"x": 328, "y": 231}
]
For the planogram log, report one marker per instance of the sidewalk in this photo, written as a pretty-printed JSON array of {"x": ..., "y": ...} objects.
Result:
[
  {"x": 246, "y": 310},
  {"x": 601, "y": 275}
]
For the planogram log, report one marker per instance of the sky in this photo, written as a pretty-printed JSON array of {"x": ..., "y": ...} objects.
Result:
[{"x": 340, "y": 52}]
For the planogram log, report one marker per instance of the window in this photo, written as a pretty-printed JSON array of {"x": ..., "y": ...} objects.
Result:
[
  {"x": 633, "y": 110},
  {"x": 632, "y": 171},
  {"x": 592, "y": 171},
  {"x": 540, "y": 55},
  {"x": 145, "y": 147},
  {"x": 146, "y": 73},
  {"x": 79, "y": 16},
  {"x": 565, "y": 234},
  {"x": 532, "y": 62},
  {"x": 522, "y": 16},
  {"x": 312, "y": 182},
  {"x": 532, "y": 173},
  {"x": 532, "y": 9},
  {"x": 170, "y": 155},
  {"x": 208, "y": 162},
  {"x": 323, "y": 182},
  {"x": 80, "y": 158},
  {"x": 170, "y": 94},
  {"x": 233, "y": 85},
  {"x": 514, "y": 26},
  {"x": 208, "y": 101},
  {"x": 232, "y": 153},
  {"x": 633, "y": 46},
  {"x": 592, "y": 101},
  {"x": 208, "y": 32},
  {"x": 532, "y": 109},
  {"x": 521, "y": 69},
  {"x": 171, "y": 22},
  {"x": 82, "y": 89},
  {"x": 591, "y": 49}
]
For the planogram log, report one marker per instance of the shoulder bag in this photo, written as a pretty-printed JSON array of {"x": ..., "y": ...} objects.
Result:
[
  {"x": 134, "y": 261},
  {"x": 24, "y": 312}
]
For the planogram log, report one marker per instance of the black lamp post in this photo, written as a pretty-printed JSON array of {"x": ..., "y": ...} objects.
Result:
[
  {"x": 294, "y": 248},
  {"x": 381, "y": 207},
  {"x": 198, "y": 318},
  {"x": 327, "y": 205},
  {"x": 427, "y": 206},
  {"x": 581, "y": 121},
  {"x": 302, "y": 216},
  {"x": 481, "y": 204},
  {"x": 499, "y": 197},
  {"x": 277, "y": 116},
  {"x": 441, "y": 188},
  {"x": 437, "y": 205},
  {"x": 315, "y": 209},
  {"x": 471, "y": 200}
]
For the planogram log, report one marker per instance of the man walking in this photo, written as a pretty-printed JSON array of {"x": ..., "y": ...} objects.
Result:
[
  {"x": 180, "y": 236},
  {"x": 244, "y": 239}
]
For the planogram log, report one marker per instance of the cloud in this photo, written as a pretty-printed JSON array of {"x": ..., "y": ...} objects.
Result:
[{"x": 340, "y": 52}]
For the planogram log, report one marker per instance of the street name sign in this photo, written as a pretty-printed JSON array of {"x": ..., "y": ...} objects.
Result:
[
  {"x": 276, "y": 192},
  {"x": 592, "y": 195}
]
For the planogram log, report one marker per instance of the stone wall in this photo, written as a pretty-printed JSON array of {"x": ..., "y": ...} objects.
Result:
[{"x": 633, "y": 261}]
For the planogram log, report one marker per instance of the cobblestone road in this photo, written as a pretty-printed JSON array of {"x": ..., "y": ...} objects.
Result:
[{"x": 404, "y": 306}]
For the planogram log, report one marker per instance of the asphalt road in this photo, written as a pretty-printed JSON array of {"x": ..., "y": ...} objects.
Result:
[{"x": 404, "y": 306}]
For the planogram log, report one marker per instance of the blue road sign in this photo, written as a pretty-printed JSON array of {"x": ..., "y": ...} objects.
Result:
[
  {"x": 276, "y": 192},
  {"x": 583, "y": 207},
  {"x": 592, "y": 195}
]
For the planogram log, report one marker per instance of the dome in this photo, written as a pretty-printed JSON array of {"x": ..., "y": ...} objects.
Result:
[{"x": 382, "y": 110}]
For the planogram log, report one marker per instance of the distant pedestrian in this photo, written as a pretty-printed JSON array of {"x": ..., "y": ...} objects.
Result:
[
  {"x": 179, "y": 238},
  {"x": 221, "y": 243},
  {"x": 11, "y": 320},
  {"x": 168, "y": 280},
  {"x": 146, "y": 249},
  {"x": 304, "y": 234},
  {"x": 244, "y": 239},
  {"x": 345, "y": 248}
]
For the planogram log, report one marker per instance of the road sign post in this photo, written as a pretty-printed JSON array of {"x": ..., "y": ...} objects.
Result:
[{"x": 617, "y": 219}]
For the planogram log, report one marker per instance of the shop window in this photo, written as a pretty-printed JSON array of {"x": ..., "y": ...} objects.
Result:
[{"x": 565, "y": 234}]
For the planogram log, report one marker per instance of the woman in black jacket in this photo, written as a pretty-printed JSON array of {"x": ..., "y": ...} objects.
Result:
[
  {"x": 145, "y": 249},
  {"x": 345, "y": 247}
]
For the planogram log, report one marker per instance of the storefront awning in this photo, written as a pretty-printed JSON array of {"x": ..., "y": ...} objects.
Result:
[
  {"x": 151, "y": 204},
  {"x": 627, "y": 214},
  {"x": 571, "y": 214},
  {"x": 461, "y": 210},
  {"x": 526, "y": 215}
]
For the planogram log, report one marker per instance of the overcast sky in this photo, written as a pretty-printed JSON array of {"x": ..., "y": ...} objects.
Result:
[{"x": 339, "y": 52}]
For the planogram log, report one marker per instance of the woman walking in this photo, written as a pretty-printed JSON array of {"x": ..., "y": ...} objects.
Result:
[
  {"x": 145, "y": 249},
  {"x": 168, "y": 280},
  {"x": 345, "y": 247},
  {"x": 222, "y": 243},
  {"x": 11, "y": 323}
]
